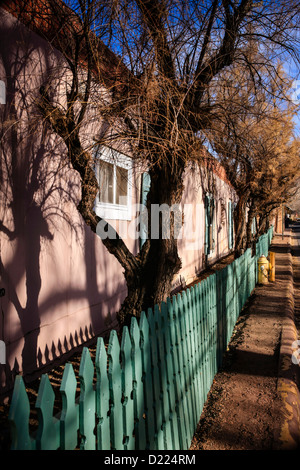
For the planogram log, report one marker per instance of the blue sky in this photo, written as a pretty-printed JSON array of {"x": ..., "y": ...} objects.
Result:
[{"x": 293, "y": 70}]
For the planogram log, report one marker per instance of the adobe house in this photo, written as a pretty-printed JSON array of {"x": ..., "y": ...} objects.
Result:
[{"x": 60, "y": 285}]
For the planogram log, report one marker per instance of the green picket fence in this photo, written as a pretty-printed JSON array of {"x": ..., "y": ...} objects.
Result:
[{"x": 149, "y": 391}]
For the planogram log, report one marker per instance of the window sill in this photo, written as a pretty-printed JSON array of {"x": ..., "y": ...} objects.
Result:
[{"x": 113, "y": 211}]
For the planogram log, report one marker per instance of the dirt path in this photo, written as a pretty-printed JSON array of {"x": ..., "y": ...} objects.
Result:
[{"x": 243, "y": 410}]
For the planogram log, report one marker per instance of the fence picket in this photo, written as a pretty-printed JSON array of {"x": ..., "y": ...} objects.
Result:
[
  {"x": 221, "y": 313},
  {"x": 87, "y": 402},
  {"x": 214, "y": 325},
  {"x": 48, "y": 430},
  {"x": 202, "y": 341},
  {"x": 209, "y": 334},
  {"x": 181, "y": 301},
  {"x": 164, "y": 389},
  {"x": 147, "y": 382},
  {"x": 171, "y": 391},
  {"x": 231, "y": 298},
  {"x": 102, "y": 397},
  {"x": 127, "y": 389},
  {"x": 115, "y": 387},
  {"x": 69, "y": 420},
  {"x": 18, "y": 418},
  {"x": 195, "y": 350},
  {"x": 180, "y": 403},
  {"x": 187, "y": 312},
  {"x": 205, "y": 337},
  {"x": 201, "y": 359},
  {"x": 138, "y": 388},
  {"x": 157, "y": 404}
]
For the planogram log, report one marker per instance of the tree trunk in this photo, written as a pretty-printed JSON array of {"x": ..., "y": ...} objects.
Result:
[
  {"x": 240, "y": 225},
  {"x": 249, "y": 235},
  {"x": 151, "y": 282},
  {"x": 263, "y": 223},
  {"x": 150, "y": 274}
]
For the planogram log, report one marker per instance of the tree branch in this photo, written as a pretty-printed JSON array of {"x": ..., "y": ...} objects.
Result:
[
  {"x": 154, "y": 14},
  {"x": 82, "y": 162},
  {"x": 225, "y": 55}
]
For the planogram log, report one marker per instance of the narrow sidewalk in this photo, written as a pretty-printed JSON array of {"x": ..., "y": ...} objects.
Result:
[{"x": 253, "y": 403}]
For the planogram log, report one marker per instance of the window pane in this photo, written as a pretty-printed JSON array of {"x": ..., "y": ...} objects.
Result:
[
  {"x": 121, "y": 187},
  {"x": 106, "y": 182}
]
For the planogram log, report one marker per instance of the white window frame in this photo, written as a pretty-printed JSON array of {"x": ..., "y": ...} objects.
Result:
[
  {"x": 109, "y": 211},
  {"x": 2, "y": 92}
]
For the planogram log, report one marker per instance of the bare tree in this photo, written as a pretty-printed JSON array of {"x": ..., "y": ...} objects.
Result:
[
  {"x": 256, "y": 143},
  {"x": 162, "y": 97}
]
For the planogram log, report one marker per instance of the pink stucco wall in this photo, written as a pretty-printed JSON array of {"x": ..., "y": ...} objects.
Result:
[
  {"x": 62, "y": 287},
  {"x": 192, "y": 246}
]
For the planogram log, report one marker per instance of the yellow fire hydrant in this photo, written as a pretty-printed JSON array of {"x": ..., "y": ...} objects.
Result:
[
  {"x": 263, "y": 270},
  {"x": 272, "y": 266}
]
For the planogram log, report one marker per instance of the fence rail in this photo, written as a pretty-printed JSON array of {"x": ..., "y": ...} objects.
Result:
[{"x": 149, "y": 391}]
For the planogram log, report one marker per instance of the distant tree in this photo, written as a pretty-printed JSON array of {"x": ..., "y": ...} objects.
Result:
[
  {"x": 255, "y": 142},
  {"x": 278, "y": 170}
]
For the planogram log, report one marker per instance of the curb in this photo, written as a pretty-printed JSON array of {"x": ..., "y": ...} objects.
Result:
[{"x": 288, "y": 437}]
